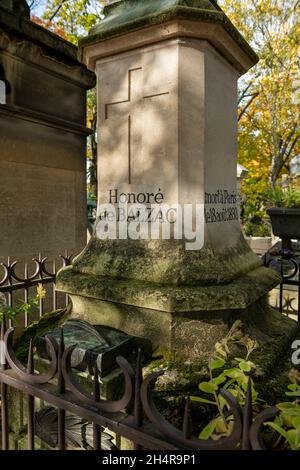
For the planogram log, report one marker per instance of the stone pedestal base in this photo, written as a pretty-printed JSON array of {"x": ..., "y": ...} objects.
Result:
[{"x": 184, "y": 322}]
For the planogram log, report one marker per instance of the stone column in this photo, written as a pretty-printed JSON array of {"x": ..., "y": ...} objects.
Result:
[{"x": 167, "y": 95}]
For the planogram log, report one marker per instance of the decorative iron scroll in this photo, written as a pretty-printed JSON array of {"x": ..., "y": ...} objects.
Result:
[
  {"x": 12, "y": 281},
  {"x": 158, "y": 433},
  {"x": 288, "y": 266}
]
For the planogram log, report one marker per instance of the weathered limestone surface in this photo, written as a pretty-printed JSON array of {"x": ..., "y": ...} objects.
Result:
[
  {"x": 191, "y": 336},
  {"x": 167, "y": 91}
]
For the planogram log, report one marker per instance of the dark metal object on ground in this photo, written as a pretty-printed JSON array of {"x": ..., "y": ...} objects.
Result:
[
  {"x": 285, "y": 224},
  {"x": 95, "y": 345}
]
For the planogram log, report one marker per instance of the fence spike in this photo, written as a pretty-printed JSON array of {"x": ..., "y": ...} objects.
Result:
[
  {"x": 96, "y": 397},
  {"x": 61, "y": 389},
  {"x": 96, "y": 385},
  {"x": 61, "y": 350},
  {"x": 3, "y": 390},
  {"x": 30, "y": 360},
  {"x": 187, "y": 420},
  {"x": 247, "y": 418},
  {"x": 3, "y": 331},
  {"x": 61, "y": 342},
  {"x": 3, "y": 326},
  {"x": 138, "y": 410}
]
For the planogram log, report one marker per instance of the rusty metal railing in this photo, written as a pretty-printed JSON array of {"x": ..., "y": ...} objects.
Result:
[
  {"x": 12, "y": 282},
  {"x": 145, "y": 425},
  {"x": 288, "y": 265}
]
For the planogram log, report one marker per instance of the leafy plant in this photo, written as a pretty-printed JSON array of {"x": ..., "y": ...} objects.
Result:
[
  {"x": 256, "y": 230},
  {"x": 234, "y": 379},
  {"x": 287, "y": 423},
  {"x": 284, "y": 431},
  {"x": 279, "y": 197},
  {"x": 24, "y": 307},
  {"x": 292, "y": 198}
]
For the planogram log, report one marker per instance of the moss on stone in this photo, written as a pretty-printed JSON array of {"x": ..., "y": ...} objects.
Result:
[
  {"x": 182, "y": 378},
  {"x": 166, "y": 261},
  {"x": 273, "y": 386},
  {"x": 130, "y": 15},
  {"x": 235, "y": 295}
]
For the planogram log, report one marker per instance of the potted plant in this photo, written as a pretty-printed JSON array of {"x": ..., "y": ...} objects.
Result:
[{"x": 284, "y": 211}]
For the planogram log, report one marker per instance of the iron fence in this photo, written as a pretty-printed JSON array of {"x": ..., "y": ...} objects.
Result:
[
  {"x": 19, "y": 278},
  {"x": 288, "y": 265},
  {"x": 145, "y": 426}
]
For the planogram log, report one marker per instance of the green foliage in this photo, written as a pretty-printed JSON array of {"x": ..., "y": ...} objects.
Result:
[
  {"x": 24, "y": 307},
  {"x": 256, "y": 230},
  {"x": 268, "y": 98},
  {"x": 234, "y": 375},
  {"x": 268, "y": 93},
  {"x": 287, "y": 423},
  {"x": 235, "y": 379},
  {"x": 280, "y": 197},
  {"x": 275, "y": 197},
  {"x": 92, "y": 144},
  {"x": 74, "y": 17}
]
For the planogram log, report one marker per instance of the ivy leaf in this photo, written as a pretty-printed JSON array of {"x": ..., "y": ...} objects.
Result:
[
  {"x": 221, "y": 425},
  {"x": 203, "y": 400},
  {"x": 296, "y": 421},
  {"x": 294, "y": 438},
  {"x": 293, "y": 394},
  {"x": 285, "y": 406},
  {"x": 279, "y": 429},
  {"x": 216, "y": 363},
  {"x": 219, "y": 349},
  {"x": 244, "y": 366},
  {"x": 222, "y": 402},
  {"x": 293, "y": 387},
  {"x": 234, "y": 373},
  {"x": 208, "y": 430},
  {"x": 219, "y": 380},
  {"x": 208, "y": 387}
]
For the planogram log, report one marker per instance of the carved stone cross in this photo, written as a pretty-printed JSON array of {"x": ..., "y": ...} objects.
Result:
[{"x": 125, "y": 108}]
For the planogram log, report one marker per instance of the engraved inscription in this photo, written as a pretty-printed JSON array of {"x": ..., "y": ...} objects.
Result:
[{"x": 220, "y": 206}]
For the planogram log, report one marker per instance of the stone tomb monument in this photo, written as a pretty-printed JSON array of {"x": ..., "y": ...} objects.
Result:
[
  {"x": 43, "y": 136},
  {"x": 167, "y": 76}
]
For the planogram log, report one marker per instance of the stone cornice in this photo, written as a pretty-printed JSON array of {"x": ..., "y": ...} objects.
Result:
[
  {"x": 200, "y": 21},
  {"x": 213, "y": 33},
  {"x": 28, "y": 53},
  {"x": 48, "y": 45},
  {"x": 16, "y": 112},
  {"x": 24, "y": 27}
]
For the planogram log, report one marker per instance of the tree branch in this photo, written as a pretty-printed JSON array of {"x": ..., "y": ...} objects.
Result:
[
  {"x": 288, "y": 154},
  {"x": 284, "y": 147},
  {"x": 57, "y": 11},
  {"x": 244, "y": 93},
  {"x": 243, "y": 111}
]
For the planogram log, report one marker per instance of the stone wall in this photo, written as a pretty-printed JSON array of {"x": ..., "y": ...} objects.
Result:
[{"x": 42, "y": 141}]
